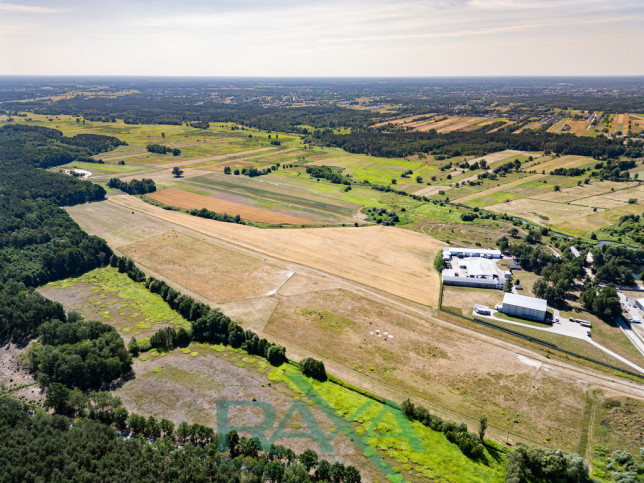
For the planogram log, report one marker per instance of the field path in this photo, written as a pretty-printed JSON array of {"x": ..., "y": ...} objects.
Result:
[
  {"x": 220, "y": 157},
  {"x": 386, "y": 258},
  {"x": 503, "y": 187}
]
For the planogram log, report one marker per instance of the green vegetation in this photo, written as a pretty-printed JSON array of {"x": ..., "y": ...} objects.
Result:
[
  {"x": 134, "y": 187},
  {"x": 92, "y": 450},
  {"x": 403, "y": 449},
  {"x": 78, "y": 354},
  {"x": 112, "y": 291}
]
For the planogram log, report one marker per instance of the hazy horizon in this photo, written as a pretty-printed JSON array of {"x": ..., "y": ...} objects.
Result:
[{"x": 315, "y": 39}]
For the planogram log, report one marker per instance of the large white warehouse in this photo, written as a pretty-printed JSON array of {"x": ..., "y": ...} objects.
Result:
[
  {"x": 524, "y": 307},
  {"x": 449, "y": 252},
  {"x": 473, "y": 272}
]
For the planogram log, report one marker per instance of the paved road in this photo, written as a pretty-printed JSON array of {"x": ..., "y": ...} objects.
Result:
[
  {"x": 571, "y": 329},
  {"x": 631, "y": 332}
]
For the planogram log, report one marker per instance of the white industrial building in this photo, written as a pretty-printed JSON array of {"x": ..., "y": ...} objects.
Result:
[
  {"x": 640, "y": 303},
  {"x": 474, "y": 272},
  {"x": 524, "y": 307},
  {"x": 451, "y": 252}
]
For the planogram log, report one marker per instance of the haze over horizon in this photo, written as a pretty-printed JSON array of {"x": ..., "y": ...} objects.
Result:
[{"x": 402, "y": 38}]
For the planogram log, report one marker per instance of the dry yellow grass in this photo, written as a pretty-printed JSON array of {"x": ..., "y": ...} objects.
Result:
[
  {"x": 187, "y": 200},
  {"x": 194, "y": 263},
  {"x": 396, "y": 261},
  {"x": 533, "y": 210},
  {"x": 578, "y": 194},
  {"x": 503, "y": 187},
  {"x": 562, "y": 162},
  {"x": 577, "y": 127}
]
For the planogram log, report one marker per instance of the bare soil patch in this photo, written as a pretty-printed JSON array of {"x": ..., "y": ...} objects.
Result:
[
  {"x": 183, "y": 387},
  {"x": 15, "y": 380}
]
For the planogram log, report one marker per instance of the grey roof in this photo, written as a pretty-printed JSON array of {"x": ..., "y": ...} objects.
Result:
[
  {"x": 484, "y": 251},
  {"x": 525, "y": 301},
  {"x": 574, "y": 251}
]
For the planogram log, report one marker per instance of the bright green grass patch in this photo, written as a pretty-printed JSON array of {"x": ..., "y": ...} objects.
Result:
[
  {"x": 138, "y": 309},
  {"x": 379, "y": 428}
]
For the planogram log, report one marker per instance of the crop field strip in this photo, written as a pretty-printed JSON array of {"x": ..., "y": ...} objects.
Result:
[
  {"x": 489, "y": 191},
  {"x": 316, "y": 215},
  {"x": 288, "y": 194},
  {"x": 187, "y": 200}
]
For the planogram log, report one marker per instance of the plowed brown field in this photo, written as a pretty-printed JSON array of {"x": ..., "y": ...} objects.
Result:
[{"x": 184, "y": 199}]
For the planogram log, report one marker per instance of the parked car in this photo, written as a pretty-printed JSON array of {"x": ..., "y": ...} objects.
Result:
[{"x": 588, "y": 334}]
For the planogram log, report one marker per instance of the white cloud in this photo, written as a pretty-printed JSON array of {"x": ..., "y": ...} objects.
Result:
[{"x": 17, "y": 8}]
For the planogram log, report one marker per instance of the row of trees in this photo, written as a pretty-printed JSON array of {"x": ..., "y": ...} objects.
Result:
[
  {"x": 161, "y": 149},
  {"x": 471, "y": 444},
  {"x": 133, "y": 187},
  {"x": 207, "y": 324},
  {"x": 212, "y": 215}
]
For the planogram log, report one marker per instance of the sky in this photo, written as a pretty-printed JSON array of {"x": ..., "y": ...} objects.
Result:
[{"x": 321, "y": 38}]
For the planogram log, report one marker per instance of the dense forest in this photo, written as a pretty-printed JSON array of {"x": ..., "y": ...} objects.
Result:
[
  {"x": 36, "y": 446},
  {"x": 39, "y": 242},
  {"x": 79, "y": 354},
  {"x": 474, "y": 143}
]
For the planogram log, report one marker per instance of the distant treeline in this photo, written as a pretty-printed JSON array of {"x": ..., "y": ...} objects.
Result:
[
  {"x": 177, "y": 111},
  {"x": 474, "y": 143}
]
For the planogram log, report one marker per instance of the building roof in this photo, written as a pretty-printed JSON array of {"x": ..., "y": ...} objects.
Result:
[
  {"x": 480, "y": 267},
  {"x": 574, "y": 251},
  {"x": 640, "y": 301},
  {"x": 525, "y": 301},
  {"x": 483, "y": 251}
]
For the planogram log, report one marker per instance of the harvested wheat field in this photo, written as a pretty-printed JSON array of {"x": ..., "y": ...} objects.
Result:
[
  {"x": 396, "y": 261},
  {"x": 187, "y": 200},
  {"x": 201, "y": 266}
]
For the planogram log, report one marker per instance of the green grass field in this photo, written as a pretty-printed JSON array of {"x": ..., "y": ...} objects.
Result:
[{"x": 110, "y": 296}]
